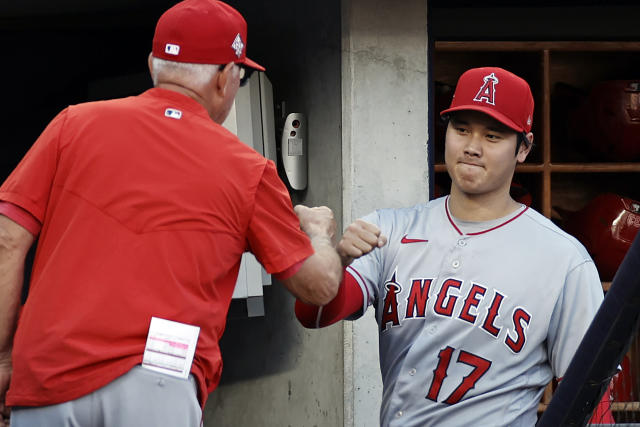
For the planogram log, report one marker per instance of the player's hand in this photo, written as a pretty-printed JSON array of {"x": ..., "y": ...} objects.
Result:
[
  {"x": 359, "y": 239},
  {"x": 317, "y": 222},
  {"x": 5, "y": 377}
]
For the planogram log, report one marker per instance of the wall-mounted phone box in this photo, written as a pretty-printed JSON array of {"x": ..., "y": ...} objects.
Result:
[{"x": 294, "y": 150}]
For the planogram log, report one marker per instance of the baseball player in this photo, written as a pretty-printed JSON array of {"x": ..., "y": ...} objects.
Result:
[{"x": 480, "y": 300}]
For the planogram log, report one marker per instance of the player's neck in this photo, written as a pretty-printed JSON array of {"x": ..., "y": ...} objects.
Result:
[
  {"x": 483, "y": 207},
  {"x": 185, "y": 90}
]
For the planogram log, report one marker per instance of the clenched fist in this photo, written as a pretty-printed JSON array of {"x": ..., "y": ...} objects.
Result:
[
  {"x": 359, "y": 239},
  {"x": 317, "y": 222}
]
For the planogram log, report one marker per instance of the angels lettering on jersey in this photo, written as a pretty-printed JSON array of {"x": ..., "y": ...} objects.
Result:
[{"x": 447, "y": 299}]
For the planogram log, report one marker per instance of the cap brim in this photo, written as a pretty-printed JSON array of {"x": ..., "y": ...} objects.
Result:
[
  {"x": 252, "y": 64},
  {"x": 488, "y": 111}
]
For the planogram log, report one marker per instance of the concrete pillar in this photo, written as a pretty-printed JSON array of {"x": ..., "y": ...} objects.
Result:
[{"x": 384, "y": 140}]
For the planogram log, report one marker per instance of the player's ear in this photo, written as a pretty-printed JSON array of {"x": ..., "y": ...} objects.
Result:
[
  {"x": 222, "y": 79},
  {"x": 525, "y": 148}
]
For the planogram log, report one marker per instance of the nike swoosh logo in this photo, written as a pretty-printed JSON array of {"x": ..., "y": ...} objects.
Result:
[{"x": 405, "y": 239}]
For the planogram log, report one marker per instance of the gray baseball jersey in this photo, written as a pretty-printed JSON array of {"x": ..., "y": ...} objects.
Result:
[{"x": 474, "y": 318}]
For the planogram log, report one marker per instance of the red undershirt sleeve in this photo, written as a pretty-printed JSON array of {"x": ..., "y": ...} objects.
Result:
[{"x": 347, "y": 302}]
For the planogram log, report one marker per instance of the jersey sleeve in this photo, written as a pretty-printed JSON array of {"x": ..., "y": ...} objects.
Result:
[
  {"x": 21, "y": 217},
  {"x": 29, "y": 185},
  {"x": 367, "y": 270},
  {"x": 574, "y": 311},
  {"x": 346, "y": 302},
  {"x": 274, "y": 235}
]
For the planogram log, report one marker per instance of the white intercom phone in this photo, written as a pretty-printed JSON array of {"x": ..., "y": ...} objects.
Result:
[{"x": 293, "y": 150}]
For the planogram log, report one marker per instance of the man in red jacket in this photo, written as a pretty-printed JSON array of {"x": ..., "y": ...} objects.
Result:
[{"x": 143, "y": 207}]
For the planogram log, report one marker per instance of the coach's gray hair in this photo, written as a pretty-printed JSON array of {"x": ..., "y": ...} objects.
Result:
[{"x": 196, "y": 74}]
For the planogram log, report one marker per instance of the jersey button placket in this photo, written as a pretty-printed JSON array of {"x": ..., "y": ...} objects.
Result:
[{"x": 461, "y": 243}]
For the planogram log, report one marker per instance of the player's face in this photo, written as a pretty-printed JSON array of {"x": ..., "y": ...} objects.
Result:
[{"x": 480, "y": 154}]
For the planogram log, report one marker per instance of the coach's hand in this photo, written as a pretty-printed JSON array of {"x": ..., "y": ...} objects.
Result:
[
  {"x": 5, "y": 377},
  {"x": 318, "y": 279},
  {"x": 359, "y": 239},
  {"x": 317, "y": 222}
]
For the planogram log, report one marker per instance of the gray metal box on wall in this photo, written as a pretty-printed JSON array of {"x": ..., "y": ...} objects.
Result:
[{"x": 252, "y": 119}]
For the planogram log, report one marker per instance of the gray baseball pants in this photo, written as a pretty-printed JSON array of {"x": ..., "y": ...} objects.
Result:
[{"x": 136, "y": 399}]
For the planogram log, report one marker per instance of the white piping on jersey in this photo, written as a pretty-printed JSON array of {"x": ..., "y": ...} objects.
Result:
[
  {"x": 361, "y": 282},
  {"x": 319, "y": 316},
  {"x": 452, "y": 222}
]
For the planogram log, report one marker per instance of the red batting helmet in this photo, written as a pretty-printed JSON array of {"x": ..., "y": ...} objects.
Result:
[
  {"x": 609, "y": 120},
  {"x": 606, "y": 227}
]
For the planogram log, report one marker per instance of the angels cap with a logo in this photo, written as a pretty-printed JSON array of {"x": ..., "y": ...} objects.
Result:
[
  {"x": 202, "y": 32},
  {"x": 496, "y": 92}
]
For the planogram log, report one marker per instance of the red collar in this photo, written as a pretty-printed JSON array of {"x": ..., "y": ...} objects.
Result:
[{"x": 446, "y": 208}]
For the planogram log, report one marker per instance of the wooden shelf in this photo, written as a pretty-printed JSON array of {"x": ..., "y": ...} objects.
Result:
[
  {"x": 535, "y": 46},
  {"x": 615, "y": 407},
  {"x": 568, "y": 167},
  {"x": 625, "y": 406},
  {"x": 594, "y": 167}
]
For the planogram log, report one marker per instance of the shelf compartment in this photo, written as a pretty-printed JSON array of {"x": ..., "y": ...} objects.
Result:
[{"x": 594, "y": 167}]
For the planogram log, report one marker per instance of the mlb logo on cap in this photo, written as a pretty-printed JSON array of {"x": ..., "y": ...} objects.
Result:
[
  {"x": 496, "y": 92},
  {"x": 172, "y": 49}
]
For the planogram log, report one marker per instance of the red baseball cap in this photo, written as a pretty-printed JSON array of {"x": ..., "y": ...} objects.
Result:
[
  {"x": 496, "y": 92},
  {"x": 202, "y": 32}
]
